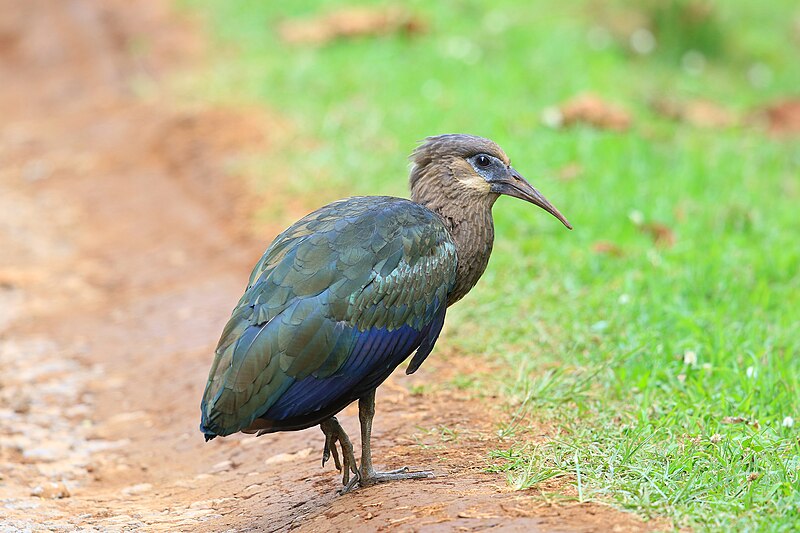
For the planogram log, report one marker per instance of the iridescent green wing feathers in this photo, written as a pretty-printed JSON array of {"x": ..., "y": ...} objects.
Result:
[{"x": 354, "y": 266}]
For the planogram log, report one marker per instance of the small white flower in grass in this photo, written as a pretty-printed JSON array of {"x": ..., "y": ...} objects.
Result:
[
  {"x": 637, "y": 217},
  {"x": 759, "y": 75},
  {"x": 624, "y": 298},
  {"x": 654, "y": 257},
  {"x": 643, "y": 41},
  {"x": 693, "y": 62},
  {"x": 788, "y": 422},
  {"x": 751, "y": 372},
  {"x": 552, "y": 117},
  {"x": 715, "y": 438},
  {"x": 689, "y": 358}
]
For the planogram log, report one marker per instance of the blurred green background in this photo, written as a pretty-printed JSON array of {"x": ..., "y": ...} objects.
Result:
[{"x": 661, "y": 336}]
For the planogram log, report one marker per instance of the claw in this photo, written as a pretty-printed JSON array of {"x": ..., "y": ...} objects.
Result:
[
  {"x": 326, "y": 452},
  {"x": 330, "y": 449},
  {"x": 353, "y": 483},
  {"x": 336, "y": 462},
  {"x": 348, "y": 462},
  {"x": 356, "y": 476}
]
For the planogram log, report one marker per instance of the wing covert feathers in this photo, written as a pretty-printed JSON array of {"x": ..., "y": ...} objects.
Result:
[{"x": 352, "y": 267}]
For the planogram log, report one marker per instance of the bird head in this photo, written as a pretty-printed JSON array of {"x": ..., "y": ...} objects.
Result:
[{"x": 468, "y": 169}]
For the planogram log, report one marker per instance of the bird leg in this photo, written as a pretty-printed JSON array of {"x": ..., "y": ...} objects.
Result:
[
  {"x": 366, "y": 411},
  {"x": 333, "y": 431}
]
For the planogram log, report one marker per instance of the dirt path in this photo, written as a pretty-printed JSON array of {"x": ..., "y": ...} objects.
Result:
[{"x": 122, "y": 251}]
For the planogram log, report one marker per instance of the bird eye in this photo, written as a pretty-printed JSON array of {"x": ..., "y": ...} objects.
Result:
[{"x": 483, "y": 161}]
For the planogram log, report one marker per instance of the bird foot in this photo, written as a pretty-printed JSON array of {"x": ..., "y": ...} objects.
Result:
[
  {"x": 366, "y": 479},
  {"x": 347, "y": 465}
]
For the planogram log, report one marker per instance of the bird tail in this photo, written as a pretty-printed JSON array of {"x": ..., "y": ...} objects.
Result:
[{"x": 206, "y": 426}]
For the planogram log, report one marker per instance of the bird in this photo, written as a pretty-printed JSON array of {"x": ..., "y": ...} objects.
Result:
[{"x": 347, "y": 293}]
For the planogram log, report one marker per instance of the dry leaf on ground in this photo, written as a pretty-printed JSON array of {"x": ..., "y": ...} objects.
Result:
[
  {"x": 781, "y": 117},
  {"x": 608, "y": 248},
  {"x": 349, "y": 23},
  {"x": 734, "y": 420},
  {"x": 569, "y": 172},
  {"x": 592, "y": 110},
  {"x": 661, "y": 234},
  {"x": 700, "y": 113}
]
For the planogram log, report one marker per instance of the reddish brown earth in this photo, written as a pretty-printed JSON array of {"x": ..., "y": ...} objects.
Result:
[{"x": 123, "y": 247}]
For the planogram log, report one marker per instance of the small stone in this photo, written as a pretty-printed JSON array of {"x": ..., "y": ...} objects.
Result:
[
  {"x": 51, "y": 491},
  {"x": 196, "y": 513},
  {"x": 286, "y": 457},
  {"x": 208, "y": 504},
  {"x": 251, "y": 490},
  {"x": 127, "y": 417},
  {"x": 120, "y": 519},
  {"x": 223, "y": 466},
  {"x": 140, "y": 488},
  {"x": 35, "y": 170}
]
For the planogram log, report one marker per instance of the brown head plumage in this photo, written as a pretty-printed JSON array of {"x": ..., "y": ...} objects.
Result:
[{"x": 456, "y": 172}]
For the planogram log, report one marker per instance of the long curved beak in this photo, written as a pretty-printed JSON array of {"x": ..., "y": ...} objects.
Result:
[{"x": 518, "y": 187}]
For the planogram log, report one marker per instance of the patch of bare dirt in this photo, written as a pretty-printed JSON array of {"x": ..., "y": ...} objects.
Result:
[{"x": 122, "y": 255}]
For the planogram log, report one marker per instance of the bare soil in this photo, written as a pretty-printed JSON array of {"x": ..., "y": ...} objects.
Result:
[{"x": 124, "y": 244}]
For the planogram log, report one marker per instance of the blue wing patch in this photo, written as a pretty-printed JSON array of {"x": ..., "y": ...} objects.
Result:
[{"x": 376, "y": 351}]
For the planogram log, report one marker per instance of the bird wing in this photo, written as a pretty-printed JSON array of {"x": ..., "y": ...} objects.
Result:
[{"x": 336, "y": 302}]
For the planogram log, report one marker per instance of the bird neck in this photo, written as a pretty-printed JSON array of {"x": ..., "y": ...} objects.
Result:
[{"x": 469, "y": 220}]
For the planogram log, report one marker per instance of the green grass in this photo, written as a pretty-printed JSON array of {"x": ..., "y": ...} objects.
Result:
[{"x": 595, "y": 344}]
